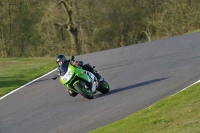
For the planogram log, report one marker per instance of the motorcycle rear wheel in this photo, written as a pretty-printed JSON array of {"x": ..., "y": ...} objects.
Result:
[
  {"x": 83, "y": 91},
  {"x": 104, "y": 87}
]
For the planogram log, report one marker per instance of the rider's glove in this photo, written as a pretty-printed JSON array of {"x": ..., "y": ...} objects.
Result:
[{"x": 54, "y": 78}]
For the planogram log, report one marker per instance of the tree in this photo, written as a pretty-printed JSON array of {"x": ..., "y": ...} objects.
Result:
[
  {"x": 75, "y": 27},
  {"x": 6, "y": 16},
  {"x": 27, "y": 37},
  {"x": 72, "y": 23}
]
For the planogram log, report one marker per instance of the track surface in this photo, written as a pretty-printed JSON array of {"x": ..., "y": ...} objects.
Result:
[{"x": 139, "y": 75}]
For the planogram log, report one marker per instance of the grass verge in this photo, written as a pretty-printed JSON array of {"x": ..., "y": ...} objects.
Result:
[
  {"x": 16, "y": 72},
  {"x": 175, "y": 114}
]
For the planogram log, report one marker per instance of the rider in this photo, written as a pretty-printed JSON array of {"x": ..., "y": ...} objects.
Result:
[{"x": 63, "y": 66}]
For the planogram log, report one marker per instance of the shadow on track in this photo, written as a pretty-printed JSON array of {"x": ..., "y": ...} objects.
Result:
[{"x": 131, "y": 87}]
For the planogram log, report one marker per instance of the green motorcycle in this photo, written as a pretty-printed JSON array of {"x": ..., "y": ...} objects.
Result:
[{"x": 80, "y": 81}]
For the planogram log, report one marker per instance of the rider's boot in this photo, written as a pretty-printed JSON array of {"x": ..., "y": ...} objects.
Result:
[
  {"x": 91, "y": 69},
  {"x": 99, "y": 78}
]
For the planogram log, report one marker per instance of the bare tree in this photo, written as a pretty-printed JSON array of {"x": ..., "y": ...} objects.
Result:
[{"x": 71, "y": 24}]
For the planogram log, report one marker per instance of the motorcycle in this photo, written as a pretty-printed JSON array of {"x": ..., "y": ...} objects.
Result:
[{"x": 80, "y": 81}]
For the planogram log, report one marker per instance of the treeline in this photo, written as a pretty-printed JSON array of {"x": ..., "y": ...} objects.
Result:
[{"x": 46, "y": 27}]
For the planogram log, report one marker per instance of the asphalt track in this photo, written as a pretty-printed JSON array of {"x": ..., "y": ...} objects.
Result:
[{"x": 139, "y": 75}]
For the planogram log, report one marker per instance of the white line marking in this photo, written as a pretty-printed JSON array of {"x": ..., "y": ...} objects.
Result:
[
  {"x": 26, "y": 84},
  {"x": 176, "y": 93},
  {"x": 186, "y": 87}
]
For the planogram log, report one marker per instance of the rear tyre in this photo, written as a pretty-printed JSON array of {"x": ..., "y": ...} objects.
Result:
[
  {"x": 83, "y": 91},
  {"x": 104, "y": 87}
]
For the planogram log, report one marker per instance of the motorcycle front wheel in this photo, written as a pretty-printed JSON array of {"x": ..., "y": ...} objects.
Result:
[{"x": 87, "y": 93}]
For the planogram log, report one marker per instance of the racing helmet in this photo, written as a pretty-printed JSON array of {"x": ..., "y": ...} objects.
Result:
[{"x": 60, "y": 58}]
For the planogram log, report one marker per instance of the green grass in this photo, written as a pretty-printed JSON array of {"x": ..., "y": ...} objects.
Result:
[
  {"x": 175, "y": 114},
  {"x": 15, "y": 72}
]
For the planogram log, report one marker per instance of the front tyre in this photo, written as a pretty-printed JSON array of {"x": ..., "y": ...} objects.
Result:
[
  {"x": 104, "y": 87},
  {"x": 73, "y": 94},
  {"x": 83, "y": 91}
]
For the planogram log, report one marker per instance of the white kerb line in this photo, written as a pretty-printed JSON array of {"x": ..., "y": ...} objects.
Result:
[{"x": 186, "y": 87}]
